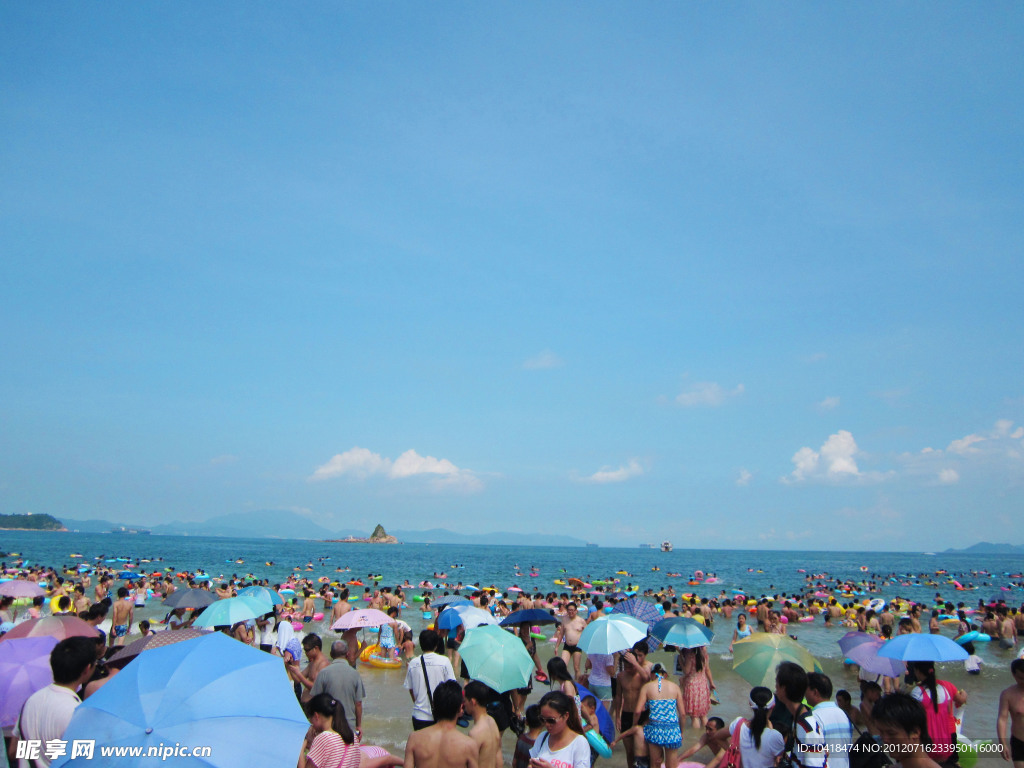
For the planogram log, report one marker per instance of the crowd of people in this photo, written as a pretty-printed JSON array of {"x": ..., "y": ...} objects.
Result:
[{"x": 458, "y": 721}]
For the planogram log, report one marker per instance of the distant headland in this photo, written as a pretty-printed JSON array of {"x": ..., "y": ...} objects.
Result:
[
  {"x": 30, "y": 522},
  {"x": 379, "y": 536}
]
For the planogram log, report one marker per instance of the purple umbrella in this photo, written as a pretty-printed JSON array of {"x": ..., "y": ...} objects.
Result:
[
  {"x": 24, "y": 669},
  {"x": 863, "y": 649},
  {"x": 21, "y": 588}
]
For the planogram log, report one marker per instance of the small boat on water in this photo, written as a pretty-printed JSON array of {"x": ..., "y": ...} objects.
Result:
[{"x": 666, "y": 546}]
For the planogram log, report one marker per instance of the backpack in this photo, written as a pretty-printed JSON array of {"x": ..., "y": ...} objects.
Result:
[{"x": 941, "y": 724}]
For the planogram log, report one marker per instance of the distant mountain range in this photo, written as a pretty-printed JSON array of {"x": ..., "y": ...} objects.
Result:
[
  {"x": 987, "y": 548},
  {"x": 285, "y": 524}
]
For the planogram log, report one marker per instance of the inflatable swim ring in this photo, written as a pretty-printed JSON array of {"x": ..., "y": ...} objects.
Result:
[
  {"x": 598, "y": 744},
  {"x": 806, "y": 619},
  {"x": 297, "y": 626},
  {"x": 877, "y": 604},
  {"x": 318, "y": 617}
]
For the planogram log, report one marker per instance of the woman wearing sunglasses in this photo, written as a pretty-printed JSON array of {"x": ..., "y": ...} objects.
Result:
[{"x": 564, "y": 745}]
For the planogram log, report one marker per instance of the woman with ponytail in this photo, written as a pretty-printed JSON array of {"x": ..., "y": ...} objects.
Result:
[
  {"x": 760, "y": 745},
  {"x": 940, "y": 699},
  {"x": 330, "y": 742}
]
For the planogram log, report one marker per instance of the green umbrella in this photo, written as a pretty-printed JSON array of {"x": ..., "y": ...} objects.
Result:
[
  {"x": 756, "y": 658},
  {"x": 497, "y": 658}
]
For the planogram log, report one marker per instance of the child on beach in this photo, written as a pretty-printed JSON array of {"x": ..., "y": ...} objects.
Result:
[
  {"x": 534, "y": 726},
  {"x": 641, "y": 756}
]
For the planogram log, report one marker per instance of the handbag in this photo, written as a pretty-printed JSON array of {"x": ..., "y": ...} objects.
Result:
[{"x": 733, "y": 756}]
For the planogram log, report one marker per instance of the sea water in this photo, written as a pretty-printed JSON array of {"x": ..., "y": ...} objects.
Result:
[{"x": 387, "y": 708}]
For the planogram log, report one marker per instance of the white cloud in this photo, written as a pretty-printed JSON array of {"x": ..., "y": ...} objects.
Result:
[
  {"x": 608, "y": 475},
  {"x": 828, "y": 404},
  {"x": 834, "y": 462},
  {"x": 744, "y": 478},
  {"x": 965, "y": 445},
  {"x": 358, "y": 462},
  {"x": 545, "y": 360},
  {"x": 707, "y": 393},
  {"x": 362, "y": 463},
  {"x": 997, "y": 450}
]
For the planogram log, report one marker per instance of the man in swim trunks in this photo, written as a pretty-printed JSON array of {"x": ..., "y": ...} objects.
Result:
[
  {"x": 635, "y": 672},
  {"x": 569, "y": 632},
  {"x": 121, "y": 617},
  {"x": 442, "y": 745},
  {"x": 1011, "y": 712}
]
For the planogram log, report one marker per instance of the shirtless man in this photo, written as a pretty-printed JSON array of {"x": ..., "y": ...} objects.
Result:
[
  {"x": 308, "y": 606},
  {"x": 1011, "y": 712},
  {"x": 484, "y": 731},
  {"x": 313, "y": 646},
  {"x": 1007, "y": 630},
  {"x": 341, "y": 607},
  {"x": 101, "y": 589},
  {"x": 121, "y": 618},
  {"x": 636, "y": 671},
  {"x": 569, "y": 631},
  {"x": 761, "y": 613},
  {"x": 441, "y": 745}
]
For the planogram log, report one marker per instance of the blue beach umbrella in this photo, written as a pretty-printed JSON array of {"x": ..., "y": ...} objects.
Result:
[
  {"x": 920, "y": 647},
  {"x": 262, "y": 593},
  {"x": 612, "y": 634},
  {"x": 190, "y": 598},
  {"x": 232, "y": 610},
  {"x": 211, "y": 691},
  {"x": 450, "y": 600},
  {"x": 529, "y": 616},
  {"x": 469, "y": 615},
  {"x": 682, "y": 632},
  {"x": 497, "y": 658}
]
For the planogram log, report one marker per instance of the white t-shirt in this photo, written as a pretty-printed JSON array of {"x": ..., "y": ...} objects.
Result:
[
  {"x": 599, "y": 663},
  {"x": 773, "y": 744},
  {"x": 576, "y": 755},
  {"x": 45, "y": 716},
  {"x": 439, "y": 669}
]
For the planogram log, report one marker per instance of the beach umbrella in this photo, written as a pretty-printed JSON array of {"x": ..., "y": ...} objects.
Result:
[
  {"x": 921, "y": 647},
  {"x": 611, "y": 634},
  {"x": 496, "y": 657},
  {"x": 641, "y": 609},
  {"x": 21, "y": 588},
  {"x": 231, "y": 610},
  {"x": 755, "y": 658},
  {"x": 262, "y": 593},
  {"x": 467, "y": 615},
  {"x": 190, "y": 598},
  {"x": 682, "y": 632},
  {"x": 125, "y": 654},
  {"x": 449, "y": 600},
  {"x": 862, "y": 648},
  {"x": 60, "y": 627},
  {"x": 24, "y": 669},
  {"x": 210, "y": 691},
  {"x": 529, "y": 616},
  {"x": 361, "y": 619}
]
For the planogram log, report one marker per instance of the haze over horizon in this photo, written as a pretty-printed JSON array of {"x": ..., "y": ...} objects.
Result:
[{"x": 737, "y": 277}]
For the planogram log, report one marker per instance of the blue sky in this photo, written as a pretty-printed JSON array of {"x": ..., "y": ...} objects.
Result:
[{"x": 736, "y": 276}]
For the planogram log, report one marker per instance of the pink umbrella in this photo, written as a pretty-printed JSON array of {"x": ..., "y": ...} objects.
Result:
[
  {"x": 367, "y": 617},
  {"x": 21, "y": 588},
  {"x": 60, "y": 627}
]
